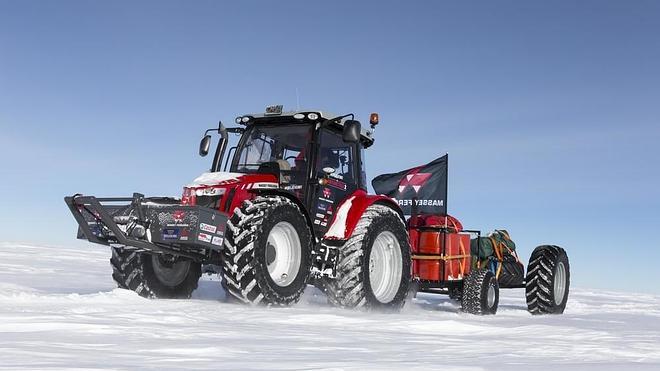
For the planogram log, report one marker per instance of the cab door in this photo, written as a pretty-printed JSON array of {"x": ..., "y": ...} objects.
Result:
[{"x": 342, "y": 158}]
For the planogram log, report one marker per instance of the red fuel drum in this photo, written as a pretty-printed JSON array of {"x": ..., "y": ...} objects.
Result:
[{"x": 440, "y": 256}]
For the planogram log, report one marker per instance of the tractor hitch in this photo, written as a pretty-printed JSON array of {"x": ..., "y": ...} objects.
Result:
[{"x": 324, "y": 260}]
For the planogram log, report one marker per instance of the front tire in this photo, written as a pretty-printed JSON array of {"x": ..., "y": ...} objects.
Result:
[
  {"x": 373, "y": 269},
  {"x": 267, "y": 256},
  {"x": 155, "y": 276},
  {"x": 548, "y": 280}
]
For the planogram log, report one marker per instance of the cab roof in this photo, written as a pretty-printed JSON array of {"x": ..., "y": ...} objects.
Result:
[{"x": 306, "y": 116}]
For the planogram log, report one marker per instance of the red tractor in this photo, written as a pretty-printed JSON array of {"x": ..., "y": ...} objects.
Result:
[{"x": 293, "y": 210}]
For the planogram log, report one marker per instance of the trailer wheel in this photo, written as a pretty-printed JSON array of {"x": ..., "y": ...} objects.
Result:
[
  {"x": 373, "y": 269},
  {"x": 548, "y": 280},
  {"x": 267, "y": 256},
  {"x": 155, "y": 276},
  {"x": 481, "y": 293}
]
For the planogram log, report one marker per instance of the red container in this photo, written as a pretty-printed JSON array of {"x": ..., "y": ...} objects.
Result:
[{"x": 439, "y": 256}]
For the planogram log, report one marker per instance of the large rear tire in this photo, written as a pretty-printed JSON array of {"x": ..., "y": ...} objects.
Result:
[
  {"x": 373, "y": 269},
  {"x": 267, "y": 256},
  {"x": 481, "y": 293},
  {"x": 155, "y": 276},
  {"x": 548, "y": 280}
]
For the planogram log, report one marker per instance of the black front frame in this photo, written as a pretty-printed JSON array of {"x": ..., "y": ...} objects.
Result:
[{"x": 77, "y": 204}]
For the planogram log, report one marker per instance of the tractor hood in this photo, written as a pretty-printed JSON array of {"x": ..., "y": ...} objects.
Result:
[
  {"x": 215, "y": 179},
  {"x": 229, "y": 180},
  {"x": 223, "y": 191}
]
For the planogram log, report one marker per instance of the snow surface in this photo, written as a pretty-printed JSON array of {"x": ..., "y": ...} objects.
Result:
[{"x": 60, "y": 309}]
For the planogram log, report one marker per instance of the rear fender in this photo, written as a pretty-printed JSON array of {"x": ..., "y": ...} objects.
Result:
[{"x": 350, "y": 211}]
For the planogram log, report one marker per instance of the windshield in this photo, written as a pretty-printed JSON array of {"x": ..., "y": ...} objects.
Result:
[{"x": 281, "y": 146}]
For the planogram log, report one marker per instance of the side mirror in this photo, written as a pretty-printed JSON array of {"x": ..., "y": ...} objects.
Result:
[
  {"x": 204, "y": 145},
  {"x": 351, "y": 132}
]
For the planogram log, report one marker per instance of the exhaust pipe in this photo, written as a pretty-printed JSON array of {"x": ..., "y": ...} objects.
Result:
[{"x": 220, "y": 151}]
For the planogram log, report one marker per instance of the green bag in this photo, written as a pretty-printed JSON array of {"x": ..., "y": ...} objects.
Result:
[{"x": 483, "y": 248}]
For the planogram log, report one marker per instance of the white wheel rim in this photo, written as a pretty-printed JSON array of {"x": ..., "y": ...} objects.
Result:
[
  {"x": 560, "y": 283},
  {"x": 491, "y": 295},
  {"x": 283, "y": 253},
  {"x": 170, "y": 274},
  {"x": 385, "y": 267}
]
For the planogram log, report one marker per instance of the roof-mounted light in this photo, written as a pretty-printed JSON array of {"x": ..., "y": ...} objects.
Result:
[
  {"x": 313, "y": 116},
  {"x": 299, "y": 116},
  {"x": 373, "y": 119},
  {"x": 245, "y": 119},
  {"x": 238, "y": 120}
]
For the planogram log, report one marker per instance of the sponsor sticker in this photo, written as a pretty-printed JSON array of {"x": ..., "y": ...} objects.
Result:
[
  {"x": 207, "y": 227},
  {"x": 264, "y": 185},
  {"x": 327, "y": 192},
  {"x": 170, "y": 233},
  {"x": 204, "y": 237},
  {"x": 217, "y": 240},
  {"x": 320, "y": 216},
  {"x": 337, "y": 184},
  {"x": 324, "y": 224},
  {"x": 317, "y": 221},
  {"x": 185, "y": 232}
]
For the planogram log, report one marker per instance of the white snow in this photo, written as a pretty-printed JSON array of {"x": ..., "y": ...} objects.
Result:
[
  {"x": 207, "y": 179},
  {"x": 338, "y": 227},
  {"x": 60, "y": 309}
]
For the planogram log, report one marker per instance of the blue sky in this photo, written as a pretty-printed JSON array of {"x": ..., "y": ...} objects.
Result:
[{"x": 550, "y": 111}]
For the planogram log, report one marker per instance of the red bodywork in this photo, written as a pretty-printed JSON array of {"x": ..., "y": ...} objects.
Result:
[
  {"x": 439, "y": 251},
  {"x": 231, "y": 191},
  {"x": 350, "y": 211}
]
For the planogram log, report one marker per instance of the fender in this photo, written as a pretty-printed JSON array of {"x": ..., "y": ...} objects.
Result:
[{"x": 350, "y": 211}]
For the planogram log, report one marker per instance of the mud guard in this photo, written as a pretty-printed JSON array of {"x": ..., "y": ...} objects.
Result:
[{"x": 350, "y": 211}]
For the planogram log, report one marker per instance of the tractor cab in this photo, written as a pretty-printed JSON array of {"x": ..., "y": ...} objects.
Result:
[{"x": 313, "y": 156}]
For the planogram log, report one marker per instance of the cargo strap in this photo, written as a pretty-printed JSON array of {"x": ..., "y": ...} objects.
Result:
[
  {"x": 498, "y": 246},
  {"x": 461, "y": 266},
  {"x": 439, "y": 257}
]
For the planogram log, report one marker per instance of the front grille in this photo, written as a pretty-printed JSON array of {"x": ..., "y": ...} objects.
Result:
[{"x": 212, "y": 202}]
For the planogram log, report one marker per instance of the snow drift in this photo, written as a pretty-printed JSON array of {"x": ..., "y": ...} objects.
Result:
[{"x": 59, "y": 308}]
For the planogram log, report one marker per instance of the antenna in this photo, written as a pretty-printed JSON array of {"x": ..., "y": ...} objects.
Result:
[{"x": 297, "y": 100}]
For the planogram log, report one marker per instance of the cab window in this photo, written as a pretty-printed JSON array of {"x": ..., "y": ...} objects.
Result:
[{"x": 337, "y": 154}]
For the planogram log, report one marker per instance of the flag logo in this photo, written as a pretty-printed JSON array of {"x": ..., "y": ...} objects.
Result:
[{"x": 414, "y": 180}]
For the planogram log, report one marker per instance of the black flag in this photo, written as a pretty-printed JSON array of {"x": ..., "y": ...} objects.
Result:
[{"x": 424, "y": 186}]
